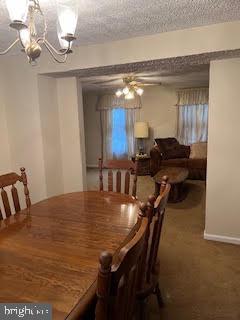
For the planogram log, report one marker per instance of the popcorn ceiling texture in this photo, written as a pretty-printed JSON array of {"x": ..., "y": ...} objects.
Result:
[
  {"x": 108, "y": 20},
  {"x": 192, "y": 70}
]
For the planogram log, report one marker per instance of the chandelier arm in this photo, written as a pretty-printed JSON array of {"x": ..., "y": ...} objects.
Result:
[
  {"x": 52, "y": 54},
  {"x": 45, "y": 24},
  {"x": 9, "y": 48},
  {"x": 63, "y": 53}
]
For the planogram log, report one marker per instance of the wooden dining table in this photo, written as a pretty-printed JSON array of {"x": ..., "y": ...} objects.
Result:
[{"x": 49, "y": 253}]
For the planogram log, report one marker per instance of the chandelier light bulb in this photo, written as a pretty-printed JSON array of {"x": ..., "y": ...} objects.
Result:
[
  {"x": 140, "y": 91},
  {"x": 119, "y": 93},
  {"x": 25, "y": 37},
  {"x": 130, "y": 95},
  {"x": 17, "y": 10},
  {"x": 126, "y": 90},
  {"x": 67, "y": 16}
]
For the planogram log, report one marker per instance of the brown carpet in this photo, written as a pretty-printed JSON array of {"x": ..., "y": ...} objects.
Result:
[{"x": 199, "y": 279}]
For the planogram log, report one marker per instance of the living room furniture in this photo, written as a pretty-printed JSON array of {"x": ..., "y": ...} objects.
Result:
[
  {"x": 10, "y": 180},
  {"x": 49, "y": 252},
  {"x": 127, "y": 166},
  {"x": 177, "y": 177},
  {"x": 170, "y": 153},
  {"x": 143, "y": 165}
]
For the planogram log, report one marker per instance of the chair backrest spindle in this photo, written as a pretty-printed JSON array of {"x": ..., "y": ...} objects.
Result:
[
  {"x": 127, "y": 182},
  {"x": 118, "y": 181},
  {"x": 126, "y": 165},
  {"x": 9, "y": 180},
  {"x": 5, "y": 201},
  {"x": 15, "y": 198},
  {"x": 100, "y": 164},
  {"x": 110, "y": 180}
]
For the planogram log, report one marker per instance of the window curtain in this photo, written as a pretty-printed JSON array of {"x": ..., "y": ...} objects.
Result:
[
  {"x": 192, "y": 116},
  {"x": 131, "y": 118},
  {"x": 105, "y": 105}
]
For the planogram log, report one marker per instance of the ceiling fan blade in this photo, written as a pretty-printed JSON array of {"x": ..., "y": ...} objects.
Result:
[
  {"x": 152, "y": 84},
  {"x": 107, "y": 82}
]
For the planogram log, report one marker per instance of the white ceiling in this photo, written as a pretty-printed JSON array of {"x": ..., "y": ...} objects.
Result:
[{"x": 107, "y": 20}]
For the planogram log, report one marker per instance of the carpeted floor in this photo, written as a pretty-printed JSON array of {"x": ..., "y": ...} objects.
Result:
[{"x": 199, "y": 279}]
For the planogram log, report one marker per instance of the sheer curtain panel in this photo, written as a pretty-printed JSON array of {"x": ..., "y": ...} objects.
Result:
[
  {"x": 117, "y": 126},
  {"x": 192, "y": 116}
]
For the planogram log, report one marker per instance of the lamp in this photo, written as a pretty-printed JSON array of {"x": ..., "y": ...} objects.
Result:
[
  {"x": 141, "y": 132},
  {"x": 24, "y": 15}
]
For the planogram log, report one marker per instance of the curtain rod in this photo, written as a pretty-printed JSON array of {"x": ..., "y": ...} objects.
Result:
[{"x": 181, "y": 89}]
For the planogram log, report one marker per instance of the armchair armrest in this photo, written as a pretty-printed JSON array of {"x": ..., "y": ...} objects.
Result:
[{"x": 155, "y": 161}]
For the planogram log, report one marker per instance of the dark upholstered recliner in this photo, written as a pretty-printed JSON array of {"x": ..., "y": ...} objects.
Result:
[{"x": 168, "y": 152}]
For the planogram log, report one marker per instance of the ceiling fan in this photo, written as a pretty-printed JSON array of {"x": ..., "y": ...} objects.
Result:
[{"x": 132, "y": 86}]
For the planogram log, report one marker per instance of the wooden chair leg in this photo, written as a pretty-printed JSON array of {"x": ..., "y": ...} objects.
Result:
[{"x": 158, "y": 294}]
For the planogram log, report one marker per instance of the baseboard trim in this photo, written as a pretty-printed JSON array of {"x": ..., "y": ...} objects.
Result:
[
  {"x": 92, "y": 166},
  {"x": 215, "y": 237}
]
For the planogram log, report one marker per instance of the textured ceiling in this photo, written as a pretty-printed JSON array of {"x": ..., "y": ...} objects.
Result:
[
  {"x": 186, "y": 71},
  {"x": 107, "y": 20}
]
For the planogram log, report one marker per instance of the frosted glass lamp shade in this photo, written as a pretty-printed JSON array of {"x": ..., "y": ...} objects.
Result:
[
  {"x": 119, "y": 93},
  {"x": 64, "y": 44},
  {"x": 67, "y": 16},
  {"x": 130, "y": 95},
  {"x": 17, "y": 9},
  {"x": 25, "y": 37},
  {"x": 126, "y": 90},
  {"x": 140, "y": 91},
  {"x": 141, "y": 130}
]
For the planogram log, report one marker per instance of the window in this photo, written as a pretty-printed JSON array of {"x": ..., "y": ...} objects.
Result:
[
  {"x": 119, "y": 133},
  {"x": 193, "y": 123},
  {"x": 117, "y": 125}
]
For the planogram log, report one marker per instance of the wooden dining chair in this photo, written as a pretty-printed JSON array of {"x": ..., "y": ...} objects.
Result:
[
  {"x": 9, "y": 180},
  {"x": 155, "y": 211},
  {"x": 128, "y": 166},
  {"x": 117, "y": 283}
]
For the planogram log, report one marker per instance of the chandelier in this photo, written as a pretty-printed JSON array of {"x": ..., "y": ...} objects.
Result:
[
  {"x": 23, "y": 15},
  {"x": 131, "y": 88}
]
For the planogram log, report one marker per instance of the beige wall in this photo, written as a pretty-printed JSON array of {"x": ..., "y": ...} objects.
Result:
[
  {"x": 223, "y": 206},
  {"x": 71, "y": 135},
  {"x": 62, "y": 134},
  {"x": 43, "y": 117},
  {"x": 157, "y": 109},
  {"x": 92, "y": 129},
  {"x": 5, "y": 159},
  {"x": 49, "y": 116},
  {"x": 24, "y": 128}
]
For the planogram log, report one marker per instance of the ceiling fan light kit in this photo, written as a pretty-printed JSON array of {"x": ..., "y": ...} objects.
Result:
[
  {"x": 23, "y": 14},
  {"x": 132, "y": 87}
]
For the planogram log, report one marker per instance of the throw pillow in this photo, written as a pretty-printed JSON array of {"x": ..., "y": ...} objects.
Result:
[
  {"x": 198, "y": 150},
  {"x": 171, "y": 149}
]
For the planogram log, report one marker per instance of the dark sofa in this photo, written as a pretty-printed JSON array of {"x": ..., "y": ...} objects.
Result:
[{"x": 168, "y": 152}]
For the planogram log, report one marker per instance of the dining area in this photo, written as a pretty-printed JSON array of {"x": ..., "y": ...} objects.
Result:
[{"x": 89, "y": 254}]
